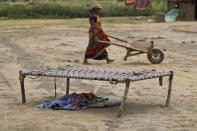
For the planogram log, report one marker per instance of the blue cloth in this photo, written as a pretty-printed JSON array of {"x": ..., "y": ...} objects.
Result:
[
  {"x": 90, "y": 11},
  {"x": 67, "y": 102},
  {"x": 172, "y": 15}
]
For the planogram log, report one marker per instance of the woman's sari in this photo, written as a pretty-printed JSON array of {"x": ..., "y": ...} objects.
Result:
[{"x": 96, "y": 50}]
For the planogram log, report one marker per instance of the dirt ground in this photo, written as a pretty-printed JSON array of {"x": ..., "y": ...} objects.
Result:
[{"x": 37, "y": 44}]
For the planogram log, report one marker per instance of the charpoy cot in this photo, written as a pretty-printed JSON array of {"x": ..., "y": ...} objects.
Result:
[{"x": 114, "y": 76}]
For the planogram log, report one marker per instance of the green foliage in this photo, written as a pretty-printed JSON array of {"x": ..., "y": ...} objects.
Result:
[
  {"x": 71, "y": 9},
  {"x": 118, "y": 10}
]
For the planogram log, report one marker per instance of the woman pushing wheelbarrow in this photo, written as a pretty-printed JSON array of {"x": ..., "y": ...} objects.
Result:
[
  {"x": 95, "y": 49},
  {"x": 99, "y": 41}
]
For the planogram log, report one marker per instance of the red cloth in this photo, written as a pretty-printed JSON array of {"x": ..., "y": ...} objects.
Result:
[
  {"x": 130, "y": 2},
  {"x": 98, "y": 51},
  {"x": 143, "y": 4}
]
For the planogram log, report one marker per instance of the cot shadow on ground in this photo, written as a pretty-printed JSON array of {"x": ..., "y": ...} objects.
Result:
[
  {"x": 131, "y": 109},
  {"x": 103, "y": 63},
  {"x": 137, "y": 63},
  {"x": 139, "y": 108}
]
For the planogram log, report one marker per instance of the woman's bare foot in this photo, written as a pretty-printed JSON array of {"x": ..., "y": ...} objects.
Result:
[
  {"x": 109, "y": 60},
  {"x": 85, "y": 62}
]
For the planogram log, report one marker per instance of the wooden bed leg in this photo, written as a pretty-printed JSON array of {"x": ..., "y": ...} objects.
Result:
[
  {"x": 124, "y": 98},
  {"x": 67, "y": 86},
  {"x": 127, "y": 54},
  {"x": 55, "y": 87},
  {"x": 21, "y": 78},
  {"x": 160, "y": 80},
  {"x": 169, "y": 88}
]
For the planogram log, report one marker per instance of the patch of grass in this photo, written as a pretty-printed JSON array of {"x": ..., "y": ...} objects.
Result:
[
  {"x": 68, "y": 9},
  {"x": 27, "y": 24}
]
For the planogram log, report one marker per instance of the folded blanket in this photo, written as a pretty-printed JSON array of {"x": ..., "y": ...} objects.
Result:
[
  {"x": 81, "y": 101},
  {"x": 68, "y": 102}
]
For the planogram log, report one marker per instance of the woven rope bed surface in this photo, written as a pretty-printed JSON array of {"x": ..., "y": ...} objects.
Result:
[{"x": 93, "y": 73}]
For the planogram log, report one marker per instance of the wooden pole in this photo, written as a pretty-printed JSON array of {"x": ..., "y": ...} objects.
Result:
[
  {"x": 127, "y": 54},
  {"x": 21, "y": 78},
  {"x": 67, "y": 86},
  {"x": 125, "y": 46},
  {"x": 124, "y": 98},
  {"x": 160, "y": 80},
  {"x": 117, "y": 39},
  {"x": 169, "y": 88},
  {"x": 55, "y": 87}
]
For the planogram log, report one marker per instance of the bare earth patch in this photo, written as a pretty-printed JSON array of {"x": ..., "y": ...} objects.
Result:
[{"x": 35, "y": 44}]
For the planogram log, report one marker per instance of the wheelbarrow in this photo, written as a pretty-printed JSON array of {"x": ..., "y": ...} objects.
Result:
[{"x": 154, "y": 55}]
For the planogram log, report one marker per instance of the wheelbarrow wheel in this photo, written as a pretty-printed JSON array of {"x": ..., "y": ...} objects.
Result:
[{"x": 156, "y": 57}]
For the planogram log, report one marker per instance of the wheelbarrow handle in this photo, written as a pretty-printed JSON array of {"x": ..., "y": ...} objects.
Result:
[
  {"x": 125, "y": 46},
  {"x": 117, "y": 38},
  {"x": 112, "y": 43}
]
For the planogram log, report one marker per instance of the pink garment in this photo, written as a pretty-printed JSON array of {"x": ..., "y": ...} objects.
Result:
[
  {"x": 130, "y": 2},
  {"x": 143, "y": 4}
]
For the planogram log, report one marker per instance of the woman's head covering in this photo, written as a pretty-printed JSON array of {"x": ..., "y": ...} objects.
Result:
[{"x": 96, "y": 6}]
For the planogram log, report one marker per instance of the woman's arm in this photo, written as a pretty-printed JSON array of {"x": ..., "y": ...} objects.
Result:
[{"x": 93, "y": 29}]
